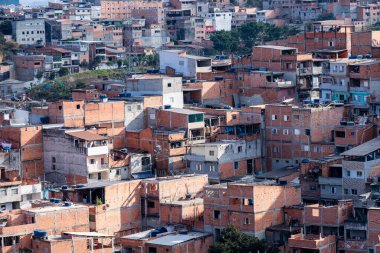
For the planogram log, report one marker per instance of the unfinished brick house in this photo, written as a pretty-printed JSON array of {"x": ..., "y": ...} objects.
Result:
[
  {"x": 295, "y": 133},
  {"x": 251, "y": 205},
  {"x": 296, "y": 67},
  {"x": 52, "y": 219},
  {"x": 27, "y": 142},
  {"x": 169, "y": 241},
  {"x": 114, "y": 206},
  {"x": 166, "y": 191}
]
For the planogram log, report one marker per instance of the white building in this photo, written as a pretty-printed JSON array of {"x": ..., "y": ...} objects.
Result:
[
  {"x": 220, "y": 21},
  {"x": 170, "y": 88},
  {"x": 181, "y": 63},
  {"x": 29, "y": 32}
]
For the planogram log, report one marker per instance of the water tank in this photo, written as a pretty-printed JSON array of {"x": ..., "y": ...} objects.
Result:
[
  {"x": 350, "y": 123},
  {"x": 68, "y": 204},
  {"x": 193, "y": 80},
  {"x": 343, "y": 123},
  {"x": 57, "y": 201},
  {"x": 155, "y": 232},
  {"x": 183, "y": 232},
  {"x": 305, "y": 161},
  {"x": 52, "y": 200},
  {"x": 79, "y": 186},
  {"x": 167, "y": 106},
  {"x": 283, "y": 182},
  {"x": 64, "y": 187}
]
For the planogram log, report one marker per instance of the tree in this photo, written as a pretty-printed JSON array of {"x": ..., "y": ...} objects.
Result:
[
  {"x": 63, "y": 72},
  {"x": 6, "y": 27},
  {"x": 325, "y": 16},
  {"x": 231, "y": 240},
  {"x": 226, "y": 41}
]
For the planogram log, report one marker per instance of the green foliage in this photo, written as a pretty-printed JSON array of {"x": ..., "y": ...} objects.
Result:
[
  {"x": 63, "y": 72},
  {"x": 231, "y": 240},
  {"x": 326, "y": 16},
  {"x": 6, "y": 48},
  {"x": 241, "y": 41},
  {"x": 254, "y": 3},
  {"x": 374, "y": 27},
  {"x": 6, "y": 27},
  {"x": 99, "y": 201},
  {"x": 226, "y": 41}
]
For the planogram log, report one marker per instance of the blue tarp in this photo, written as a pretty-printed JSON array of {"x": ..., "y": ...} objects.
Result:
[{"x": 142, "y": 175}]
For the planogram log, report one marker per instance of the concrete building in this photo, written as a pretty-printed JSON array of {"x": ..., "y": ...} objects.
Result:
[
  {"x": 170, "y": 88},
  {"x": 29, "y": 32},
  {"x": 225, "y": 159},
  {"x": 360, "y": 166},
  {"x": 221, "y": 21},
  {"x": 178, "y": 61},
  {"x": 81, "y": 157}
]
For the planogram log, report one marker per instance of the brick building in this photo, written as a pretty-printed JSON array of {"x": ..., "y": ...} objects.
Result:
[{"x": 251, "y": 205}]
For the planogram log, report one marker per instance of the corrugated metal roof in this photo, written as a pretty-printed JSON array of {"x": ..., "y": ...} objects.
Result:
[{"x": 364, "y": 149}]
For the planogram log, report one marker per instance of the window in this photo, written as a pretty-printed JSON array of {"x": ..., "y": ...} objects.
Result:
[
  {"x": 92, "y": 161},
  {"x": 286, "y": 117},
  {"x": 345, "y": 191},
  {"x": 14, "y": 191},
  {"x": 317, "y": 149},
  {"x": 169, "y": 85},
  {"x": 139, "y": 107},
  {"x": 212, "y": 168},
  {"x": 248, "y": 202},
  {"x": 198, "y": 167},
  {"x": 53, "y": 167},
  {"x": 354, "y": 192},
  {"x": 129, "y": 108},
  {"x": 59, "y": 107},
  {"x": 359, "y": 173},
  {"x": 236, "y": 165},
  {"x": 53, "y": 159},
  {"x": 240, "y": 149},
  {"x": 306, "y": 148},
  {"x": 348, "y": 173},
  {"x": 101, "y": 160},
  {"x": 297, "y": 132},
  {"x": 216, "y": 214},
  {"x": 150, "y": 204},
  {"x": 118, "y": 172},
  {"x": 307, "y": 132},
  {"x": 246, "y": 221},
  {"x": 276, "y": 149},
  {"x": 333, "y": 190},
  {"x": 211, "y": 153},
  {"x": 285, "y": 132},
  {"x": 171, "y": 99},
  {"x": 331, "y": 43},
  {"x": 78, "y": 106},
  {"x": 234, "y": 116},
  {"x": 3, "y": 192},
  {"x": 274, "y": 117},
  {"x": 296, "y": 116},
  {"x": 274, "y": 131}
]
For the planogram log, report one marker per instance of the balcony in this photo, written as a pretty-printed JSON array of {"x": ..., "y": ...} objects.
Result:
[
  {"x": 350, "y": 244},
  {"x": 359, "y": 89},
  {"x": 100, "y": 150},
  {"x": 330, "y": 181},
  {"x": 305, "y": 71},
  {"x": 92, "y": 168},
  {"x": 355, "y": 225},
  {"x": 333, "y": 87},
  {"x": 197, "y": 158},
  {"x": 197, "y": 140}
]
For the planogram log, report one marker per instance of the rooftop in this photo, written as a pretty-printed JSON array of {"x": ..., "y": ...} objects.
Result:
[
  {"x": 277, "y": 47},
  {"x": 86, "y": 135},
  {"x": 171, "y": 240},
  {"x": 364, "y": 149},
  {"x": 183, "y": 111},
  {"x": 276, "y": 174}
]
